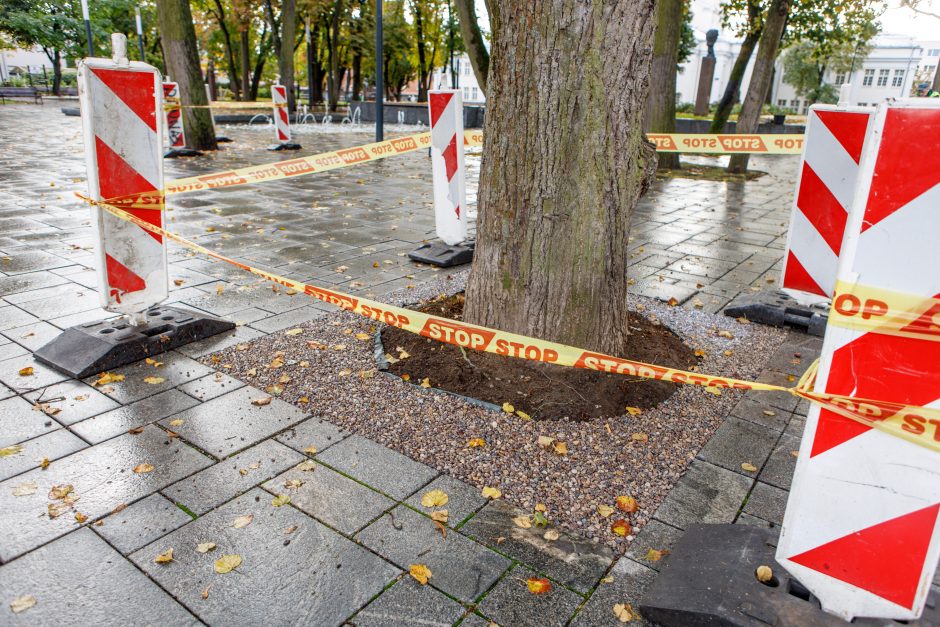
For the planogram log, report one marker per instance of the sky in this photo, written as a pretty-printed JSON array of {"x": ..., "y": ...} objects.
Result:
[{"x": 899, "y": 20}]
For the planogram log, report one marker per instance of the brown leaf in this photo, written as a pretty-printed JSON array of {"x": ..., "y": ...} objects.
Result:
[
  {"x": 136, "y": 430},
  {"x": 143, "y": 468},
  {"x": 80, "y": 518},
  {"x": 624, "y": 612},
  {"x": 621, "y": 527},
  {"x": 748, "y": 467},
  {"x": 261, "y": 402},
  {"x": 538, "y": 585},
  {"x": 653, "y": 555},
  {"x": 60, "y": 491},
  {"x": 164, "y": 558},
  {"x": 26, "y": 372},
  {"x": 627, "y": 504}
]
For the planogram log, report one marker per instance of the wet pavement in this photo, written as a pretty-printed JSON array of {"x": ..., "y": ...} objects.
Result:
[{"x": 177, "y": 464}]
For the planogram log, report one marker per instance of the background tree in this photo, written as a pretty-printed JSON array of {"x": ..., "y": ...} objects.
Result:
[
  {"x": 430, "y": 33},
  {"x": 753, "y": 24},
  {"x": 182, "y": 63},
  {"x": 805, "y": 65},
  {"x": 557, "y": 191},
  {"x": 398, "y": 67},
  {"x": 661, "y": 106},
  {"x": 473, "y": 41}
]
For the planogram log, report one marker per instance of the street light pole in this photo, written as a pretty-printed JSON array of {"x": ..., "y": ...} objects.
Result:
[
  {"x": 309, "y": 62},
  {"x": 91, "y": 49},
  {"x": 379, "y": 79},
  {"x": 140, "y": 34}
]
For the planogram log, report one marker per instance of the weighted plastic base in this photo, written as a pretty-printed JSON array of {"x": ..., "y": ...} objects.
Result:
[
  {"x": 223, "y": 140},
  {"x": 288, "y": 146},
  {"x": 181, "y": 152},
  {"x": 88, "y": 349},
  {"x": 710, "y": 580},
  {"x": 779, "y": 309},
  {"x": 440, "y": 254}
]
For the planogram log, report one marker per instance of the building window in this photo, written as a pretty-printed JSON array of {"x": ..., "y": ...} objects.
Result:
[
  {"x": 782, "y": 102},
  {"x": 869, "y": 78},
  {"x": 476, "y": 93},
  {"x": 883, "y": 77},
  {"x": 795, "y": 105},
  {"x": 898, "y": 79},
  {"x": 840, "y": 78},
  {"x": 933, "y": 52}
]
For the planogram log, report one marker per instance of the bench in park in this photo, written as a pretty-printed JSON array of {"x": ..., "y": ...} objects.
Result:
[{"x": 20, "y": 92}]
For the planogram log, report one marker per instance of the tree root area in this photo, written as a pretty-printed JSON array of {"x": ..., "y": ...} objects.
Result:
[{"x": 543, "y": 391}]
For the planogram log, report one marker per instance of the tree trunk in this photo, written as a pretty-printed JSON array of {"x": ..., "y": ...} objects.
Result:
[
  {"x": 246, "y": 62},
  {"x": 233, "y": 80},
  {"x": 285, "y": 61},
  {"x": 732, "y": 93},
  {"x": 356, "y": 76},
  {"x": 473, "y": 41},
  {"x": 661, "y": 111},
  {"x": 333, "y": 42},
  {"x": 259, "y": 63},
  {"x": 761, "y": 77},
  {"x": 182, "y": 63},
  {"x": 935, "y": 86},
  {"x": 559, "y": 182},
  {"x": 423, "y": 73}
]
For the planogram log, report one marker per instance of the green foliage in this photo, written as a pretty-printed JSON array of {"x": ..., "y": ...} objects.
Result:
[{"x": 686, "y": 35}]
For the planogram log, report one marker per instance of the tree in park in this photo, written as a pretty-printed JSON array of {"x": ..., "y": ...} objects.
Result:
[
  {"x": 473, "y": 41},
  {"x": 430, "y": 30},
  {"x": 182, "y": 64},
  {"x": 805, "y": 65},
  {"x": 565, "y": 160}
]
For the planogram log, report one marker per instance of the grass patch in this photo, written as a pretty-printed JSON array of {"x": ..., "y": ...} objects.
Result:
[{"x": 708, "y": 173}]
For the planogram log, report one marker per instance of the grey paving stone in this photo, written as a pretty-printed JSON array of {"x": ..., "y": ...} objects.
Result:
[
  {"x": 314, "y": 432},
  {"x": 41, "y": 377},
  {"x": 656, "y": 536},
  {"x": 767, "y": 502},
  {"x": 219, "y": 342},
  {"x": 571, "y": 560},
  {"x": 19, "y": 283},
  {"x": 630, "y": 581},
  {"x": 33, "y": 261},
  {"x": 737, "y": 442},
  {"x": 462, "y": 499},
  {"x": 144, "y": 412},
  {"x": 778, "y": 471},
  {"x": 210, "y": 386},
  {"x": 230, "y": 423},
  {"x": 72, "y": 299},
  {"x": 141, "y": 523},
  {"x": 288, "y": 319},
  {"x": 459, "y": 566},
  {"x": 102, "y": 477},
  {"x": 511, "y": 603},
  {"x": 310, "y": 576},
  {"x": 80, "y": 580},
  {"x": 33, "y": 336},
  {"x": 332, "y": 498},
  {"x": 752, "y": 410},
  {"x": 231, "y": 477},
  {"x": 377, "y": 466},
  {"x": 780, "y": 400},
  {"x": 408, "y": 603},
  {"x": 705, "y": 494},
  {"x": 51, "y": 446},
  {"x": 747, "y": 519},
  {"x": 20, "y": 422},
  {"x": 176, "y": 370},
  {"x": 75, "y": 401},
  {"x": 10, "y": 350},
  {"x": 796, "y": 426}
]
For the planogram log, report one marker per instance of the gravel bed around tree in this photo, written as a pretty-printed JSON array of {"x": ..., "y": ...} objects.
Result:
[{"x": 328, "y": 368}]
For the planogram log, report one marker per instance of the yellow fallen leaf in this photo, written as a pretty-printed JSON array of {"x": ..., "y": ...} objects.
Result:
[
  {"x": 767, "y": 412},
  {"x": 728, "y": 353},
  {"x": 608, "y": 579},
  {"x": 80, "y": 518},
  {"x": 261, "y": 402},
  {"x": 640, "y": 437},
  {"x": 624, "y": 612},
  {"x": 243, "y": 521},
  {"x": 634, "y": 411},
  {"x": 143, "y": 468},
  {"x": 219, "y": 289},
  {"x": 627, "y": 504},
  {"x": 345, "y": 372},
  {"x": 699, "y": 352},
  {"x": 153, "y": 362},
  {"x": 439, "y": 516},
  {"x": 672, "y": 302},
  {"x": 509, "y": 409},
  {"x": 605, "y": 510},
  {"x": 726, "y": 334},
  {"x": 406, "y": 377},
  {"x": 748, "y": 467},
  {"x": 711, "y": 389},
  {"x": 551, "y": 535},
  {"x": 154, "y": 380},
  {"x": 363, "y": 336},
  {"x": 26, "y": 372},
  {"x": 227, "y": 563},
  {"x": 522, "y": 521},
  {"x": 164, "y": 558},
  {"x": 311, "y": 450},
  {"x": 538, "y": 585},
  {"x": 177, "y": 422},
  {"x": 653, "y": 555},
  {"x": 764, "y": 573},
  {"x": 60, "y": 491},
  {"x": 42, "y": 464},
  {"x": 523, "y": 415},
  {"x": 426, "y": 383},
  {"x": 491, "y": 493},
  {"x": 402, "y": 353},
  {"x": 434, "y": 498},
  {"x": 621, "y": 528},
  {"x": 23, "y": 603},
  {"x": 476, "y": 443},
  {"x": 280, "y": 499},
  {"x": 205, "y": 592},
  {"x": 107, "y": 377},
  {"x": 294, "y": 332},
  {"x": 205, "y": 547},
  {"x": 420, "y": 572},
  {"x": 11, "y": 450},
  {"x": 561, "y": 448}
]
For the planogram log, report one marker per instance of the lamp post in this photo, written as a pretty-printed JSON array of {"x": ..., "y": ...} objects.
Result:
[
  {"x": 309, "y": 61},
  {"x": 379, "y": 79},
  {"x": 140, "y": 34},
  {"x": 91, "y": 49}
]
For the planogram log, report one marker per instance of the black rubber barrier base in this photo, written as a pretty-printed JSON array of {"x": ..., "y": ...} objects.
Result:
[
  {"x": 779, "y": 309},
  {"x": 88, "y": 349},
  {"x": 279, "y": 147},
  {"x": 440, "y": 254},
  {"x": 223, "y": 140},
  {"x": 710, "y": 580},
  {"x": 175, "y": 153}
]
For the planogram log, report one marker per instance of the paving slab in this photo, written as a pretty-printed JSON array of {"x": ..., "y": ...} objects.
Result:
[
  {"x": 176, "y": 369},
  {"x": 406, "y": 604},
  {"x": 309, "y": 576},
  {"x": 219, "y": 342},
  {"x": 705, "y": 494},
  {"x": 33, "y": 261},
  {"x": 19, "y": 283},
  {"x": 761, "y": 413},
  {"x": 51, "y": 446},
  {"x": 571, "y": 560},
  {"x": 330, "y": 497},
  {"x": 511, "y": 602},
  {"x": 630, "y": 581},
  {"x": 767, "y": 502},
  {"x": 778, "y": 471},
  {"x": 141, "y": 523},
  {"x": 462, "y": 499},
  {"x": 738, "y": 442},
  {"x": 20, "y": 422},
  {"x": 654, "y": 536},
  {"x": 231, "y": 423},
  {"x": 80, "y": 580},
  {"x": 377, "y": 466},
  {"x": 102, "y": 478},
  {"x": 144, "y": 412},
  {"x": 313, "y": 432},
  {"x": 10, "y": 349},
  {"x": 210, "y": 386},
  {"x": 231, "y": 477},
  {"x": 460, "y": 567},
  {"x": 74, "y": 400},
  {"x": 42, "y": 376}
]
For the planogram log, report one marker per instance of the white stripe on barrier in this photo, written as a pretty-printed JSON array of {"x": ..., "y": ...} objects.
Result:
[{"x": 445, "y": 107}]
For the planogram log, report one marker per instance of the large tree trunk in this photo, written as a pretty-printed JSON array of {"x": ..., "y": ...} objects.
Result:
[
  {"x": 662, "y": 99},
  {"x": 761, "y": 77},
  {"x": 246, "y": 63},
  {"x": 285, "y": 60},
  {"x": 182, "y": 63},
  {"x": 559, "y": 181},
  {"x": 732, "y": 91},
  {"x": 473, "y": 41}
]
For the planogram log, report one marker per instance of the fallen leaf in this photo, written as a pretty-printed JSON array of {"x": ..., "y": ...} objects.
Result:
[
  {"x": 294, "y": 332},
  {"x": 164, "y": 558},
  {"x": 243, "y": 521},
  {"x": 219, "y": 289},
  {"x": 794, "y": 453},
  {"x": 136, "y": 430},
  {"x": 634, "y": 411},
  {"x": 205, "y": 592},
  {"x": 280, "y": 499},
  {"x": 107, "y": 377},
  {"x": 178, "y": 422},
  {"x": 363, "y": 336},
  {"x": 523, "y": 521},
  {"x": 726, "y": 334},
  {"x": 640, "y": 437},
  {"x": 509, "y": 409},
  {"x": 551, "y": 535},
  {"x": 538, "y": 585},
  {"x": 153, "y": 362},
  {"x": 491, "y": 493},
  {"x": 621, "y": 528},
  {"x": 523, "y": 415},
  {"x": 406, "y": 377},
  {"x": 561, "y": 448},
  {"x": 767, "y": 412},
  {"x": 312, "y": 450},
  {"x": 261, "y": 402},
  {"x": 764, "y": 573},
  {"x": 303, "y": 400},
  {"x": 711, "y": 389},
  {"x": 540, "y": 507},
  {"x": 43, "y": 464},
  {"x": 426, "y": 383},
  {"x": 227, "y": 563},
  {"x": 306, "y": 466},
  {"x": 154, "y": 380},
  {"x": 627, "y": 504},
  {"x": 80, "y": 518},
  {"x": 605, "y": 510},
  {"x": 23, "y": 603},
  {"x": 653, "y": 555},
  {"x": 545, "y": 441},
  {"x": 434, "y": 498},
  {"x": 476, "y": 443},
  {"x": 277, "y": 362},
  {"x": 143, "y": 468},
  {"x": 728, "y": 353},
  {"x": 748, "y": 467},
  {"x": 624, "y": 612},
  {"x": 440, "y": 516},
  {"x": 420, "y": 572},
  {"x": 119, "y": 508},
  {"x": 539, "y": 519},
  {"x": 25, "y": 489},
  {"x": 205, "y": 547},
  {"x": 608, "y": 579},
  {"x": 699, "y": 352},
  {"x": 11, "y": 450},
  {"x": 60, "y": 491},
  {"x": 291, "y": 529},
  {"x": 26, "y": 372}
]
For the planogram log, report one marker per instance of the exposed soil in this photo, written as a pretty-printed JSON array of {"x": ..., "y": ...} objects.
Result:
[
  {"x": 543, "y": 391},
  {"x": 708, "y": 173}
]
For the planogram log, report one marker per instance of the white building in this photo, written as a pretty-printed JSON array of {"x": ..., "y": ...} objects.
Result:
[
  {"x": 466, "y": 80},
  {"x": 20, "y": 60}
]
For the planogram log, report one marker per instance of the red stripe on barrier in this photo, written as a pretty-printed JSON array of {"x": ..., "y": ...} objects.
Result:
[
  {"x": 438, "y": 102},
  {"x": 848, "y": 129},
  {"x": 117, "y": 179},
  {"x": 450, "y": 158},
  {"x": 135, "y": 89},
  {"x": 797, "y": 278},
  {"x": 821, "y": 208},
  {"x": 120, "y": 278}
]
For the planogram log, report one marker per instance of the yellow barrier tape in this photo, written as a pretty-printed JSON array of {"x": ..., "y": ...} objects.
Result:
[
  {"x": 877, "y": 310},
  {"x": 918, "y": 425},
  {"x": 704, "y": 143}
]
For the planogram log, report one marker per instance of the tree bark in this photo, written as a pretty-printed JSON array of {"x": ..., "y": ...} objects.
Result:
[
  {"x": 661, "y": 111},
  {"x": 246, "y": 63},
  {"x": 333, "y": 34},
  {"x": 260, "y": 62},
  {"x": 424, "y": 74},
  {"x": 761, "y": 77},
  {"x": 233, "y": 79},
  {"x": 473, "y": 41},
  {"x": 935, "y": 86},
  {"x": 285, "y": 60},
  {"x": 182, "y": 63},
  {"x": 732, "y": 93},
  {"x": 565, "y": 161}
]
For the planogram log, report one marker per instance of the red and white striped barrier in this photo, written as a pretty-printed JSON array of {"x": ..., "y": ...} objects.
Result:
[
  {"x": 122, "y": 123},
  {"x": 281, "y": 118},
  {"x": 447, "y": 163},
  {"x": 861, "y": 529},
  {"x": 825, "y": 187},
  {"x": 176, "y": 135}
]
